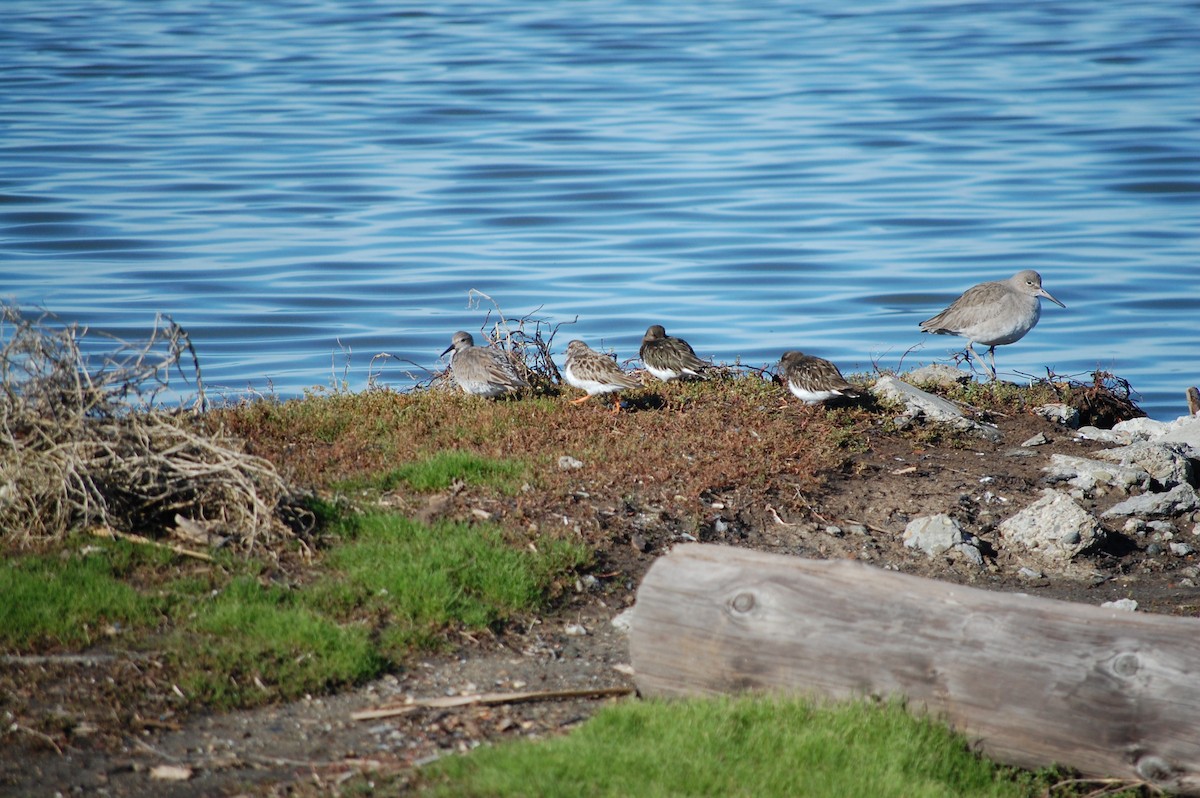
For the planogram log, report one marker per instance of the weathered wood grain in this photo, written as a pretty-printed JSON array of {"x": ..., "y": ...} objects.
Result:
[{"x": 1034, "y": 681}]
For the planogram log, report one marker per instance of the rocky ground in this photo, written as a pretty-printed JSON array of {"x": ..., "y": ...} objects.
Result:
[{"x": 864, "y": 510}]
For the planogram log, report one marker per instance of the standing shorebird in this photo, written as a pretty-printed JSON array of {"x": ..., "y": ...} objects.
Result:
[
  {"x": 596, "y": 373},
  {"x": 482, "y": 370},
  {"x": 670, "y": 358},
  {"x": 813, "y": 379},
  {"x": 995, "y": 313}
]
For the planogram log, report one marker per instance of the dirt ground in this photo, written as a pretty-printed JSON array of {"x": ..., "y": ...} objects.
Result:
[{"x": 120, "y": 724}]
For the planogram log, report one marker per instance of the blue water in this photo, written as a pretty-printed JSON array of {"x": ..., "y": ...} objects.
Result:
[{"x": 304, "y": 185}]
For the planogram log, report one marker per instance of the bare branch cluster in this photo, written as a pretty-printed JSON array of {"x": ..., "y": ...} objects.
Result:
[
  {"x": 527, "y": 340},
  {"x": 85, "y": 441}
]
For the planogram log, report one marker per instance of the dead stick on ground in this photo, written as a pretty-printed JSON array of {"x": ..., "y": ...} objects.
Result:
[
  {"x": 444, "y": 702},
  {"x": 34, "y": 732},
  {"x": 109, "y": 532}
]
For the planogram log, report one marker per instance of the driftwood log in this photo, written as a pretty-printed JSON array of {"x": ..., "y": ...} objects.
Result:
[{"x": 1032, "y": 681}]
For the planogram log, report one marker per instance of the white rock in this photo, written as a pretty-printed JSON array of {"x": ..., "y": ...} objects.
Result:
[
  {"x": 1037, "y": 440},
  {"x": 1185, "y": 429},
  {"x": 1179, "y": 499},
  {"x": 940, "y": 534},
  {"x": 575, "y": 630},
  {"x": 1054, "y": 526},
  {"x": 170, "y": 773},
  {"x": 1104, "y": 435},
  {"x": 1181, "y": 549},
  {"x": 1085, "y": 474},
  {"x": 1059, "y": 414},
  {"x": 937, "y": 374},
  {"x": 934, "y": 408},
  {"x": 1126, "y": 605},
  {"x": 1168, "y": 464},
  {"x": 1141, "y": 428},
  {"x": 567, "y": 462}
]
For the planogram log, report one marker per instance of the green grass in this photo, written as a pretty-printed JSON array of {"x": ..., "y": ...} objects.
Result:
[
  {"x": 423, "y": 579},
  {"x": 387, "y": 588},
  {"x": 441, "y": 470},
  {"x": 250, "y": 639},
  {"x": 752, "y": 746},
  {"x": 69, "y": 600}
]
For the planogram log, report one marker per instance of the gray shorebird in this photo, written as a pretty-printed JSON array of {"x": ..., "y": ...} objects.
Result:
[
  {"x": 596, "y": 373},
  {"x": 813, "y": 379},
  {"x": 670, "y": 358},
  {"x": 995, "y": 313},
  {"x": 482, "y": 370}
]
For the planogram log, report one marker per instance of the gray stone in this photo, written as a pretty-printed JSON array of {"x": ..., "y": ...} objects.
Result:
[
  {"x": 941, "y": 534},
  {"x": 567, "y": 462},
  {"x": 934, "y": 408},
  {"x": 1085, "y": 474},
  {"x": 1181, "y": 549},
  {"x": 1029, "y": 573},
  {"x": 1163, "y": 528},
  {"x": 939, "y": 375},
  {"x": 1125, "y": 605},
  {"x": 1062, "y": 414},
  {"x": 1185, "y": 430},
  {"x": 1104, "y": 435},
  {"x": 1168, "y": 464},
  {"x": 1037, "y": 440},
  {"x": 1143, "y": 429},
  {"x": 1054, "y": 526},
  {"x": 1179, "y": 499}
]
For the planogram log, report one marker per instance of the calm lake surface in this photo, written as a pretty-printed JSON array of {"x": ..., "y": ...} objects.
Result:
[{"x": 304, "y": 185}]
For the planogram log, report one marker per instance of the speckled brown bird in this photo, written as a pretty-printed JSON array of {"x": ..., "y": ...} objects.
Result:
[
  {"x": 596, "y": 373},
  {"x": 669, "y": 358},
  {"x": 813, "y": 379}
]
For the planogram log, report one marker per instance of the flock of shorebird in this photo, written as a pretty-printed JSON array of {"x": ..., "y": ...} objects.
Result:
[{"x": 990, "y": 314}]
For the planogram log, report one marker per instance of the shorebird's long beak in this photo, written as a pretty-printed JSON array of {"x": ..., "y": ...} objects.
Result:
[
  {"x": 447, "y": 349},
  {"x": 1045, "y": 293}
]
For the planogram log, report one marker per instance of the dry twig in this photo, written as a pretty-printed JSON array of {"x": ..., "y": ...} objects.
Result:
[
  {"x": 85, "y": 441},
  {"x": 489, "y": 699}
]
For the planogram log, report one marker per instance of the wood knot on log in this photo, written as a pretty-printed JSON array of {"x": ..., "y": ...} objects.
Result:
[
  {"x": 1154, "y": 769},
  {"x": 742, "y": 602},
  {"x": 1126, "y": 665}
]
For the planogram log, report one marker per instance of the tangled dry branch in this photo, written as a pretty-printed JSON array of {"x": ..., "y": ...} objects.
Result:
[
  {"x": 85, "y": 442},
  {"x": 527, "y": 340}
]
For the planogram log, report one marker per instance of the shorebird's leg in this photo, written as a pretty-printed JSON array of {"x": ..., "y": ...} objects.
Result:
[
  {"x": 992, "y": 352},
  {"x": 581, "y": 399},
  {"x": 616, "y": 403},
  {"x": 971, "y": 355}
]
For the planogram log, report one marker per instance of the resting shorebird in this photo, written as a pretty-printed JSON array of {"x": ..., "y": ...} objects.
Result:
[
  {"x": 995, "y": 313},
  {"x": 812, "y": 379},
  {"x": 482, "y": 370},
  {"x": 670, "y": 358},
  {"x": 595, "y": 372}
]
